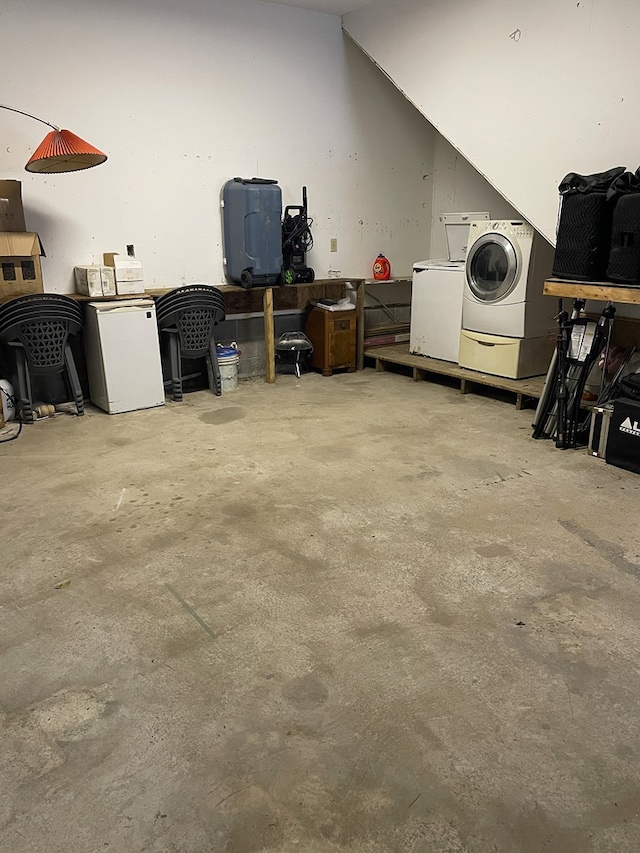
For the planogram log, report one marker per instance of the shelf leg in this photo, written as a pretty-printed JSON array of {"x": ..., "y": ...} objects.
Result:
[
  {"x": 269, "y": 335},
  {"x": 360, "y": 325}
]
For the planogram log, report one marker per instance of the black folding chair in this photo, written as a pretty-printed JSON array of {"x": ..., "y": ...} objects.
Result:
[
  {"x": 37, "y": 328},
  {"x": 189, "y": 315}
]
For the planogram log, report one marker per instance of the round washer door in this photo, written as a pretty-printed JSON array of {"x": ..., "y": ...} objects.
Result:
[{"x": 492, "y": 267}]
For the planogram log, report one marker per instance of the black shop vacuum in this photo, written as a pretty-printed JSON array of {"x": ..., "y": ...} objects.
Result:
[{"x": 296, "y": 242}]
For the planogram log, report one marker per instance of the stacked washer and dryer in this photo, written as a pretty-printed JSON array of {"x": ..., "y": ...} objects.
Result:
[
  {"x": 507, "y": 322},
  {"x": 486, "y": 312}
]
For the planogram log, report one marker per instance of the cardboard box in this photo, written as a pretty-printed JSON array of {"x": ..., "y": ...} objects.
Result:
[
  {"x": 95, "y": 280},
  {"x": 128, "y": 272},
  {"x": 20, "y": 270},
  {"x": 126, "y": 288},
  {"x": 11, "y": 212}
]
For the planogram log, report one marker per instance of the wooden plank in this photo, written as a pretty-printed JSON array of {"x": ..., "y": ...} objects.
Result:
[
  {"x": 240, "y": 300},
  {"x": 602, "y": 291},
  {"x": 359, "y": 325},
  {"x": 269, "y": 335},
  {"x": 399, "y": 354},
  {"x": 245, "y": 301},
  {"x": 396, "y": 280}
]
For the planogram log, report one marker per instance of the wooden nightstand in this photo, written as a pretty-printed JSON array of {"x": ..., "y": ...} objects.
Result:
[{"x": 333, "y": 335}]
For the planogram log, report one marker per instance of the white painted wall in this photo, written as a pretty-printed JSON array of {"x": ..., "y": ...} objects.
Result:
[
  {"x": 183, "y": 96},
  {"x": 526, "y": 91},
  {"x": 457, "y": 188}
]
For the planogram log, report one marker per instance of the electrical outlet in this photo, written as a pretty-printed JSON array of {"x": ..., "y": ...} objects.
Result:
[{"x": 334, "y": 244}]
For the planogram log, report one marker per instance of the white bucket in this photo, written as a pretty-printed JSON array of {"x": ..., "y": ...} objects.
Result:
[{"x": 228, "y": 358}]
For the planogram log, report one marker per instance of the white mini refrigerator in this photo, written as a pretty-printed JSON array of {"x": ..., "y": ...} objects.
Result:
[{"x": 123, "y": 355}]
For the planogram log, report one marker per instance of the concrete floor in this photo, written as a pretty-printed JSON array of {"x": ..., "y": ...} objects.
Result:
[{"x": 350, "y": 614}]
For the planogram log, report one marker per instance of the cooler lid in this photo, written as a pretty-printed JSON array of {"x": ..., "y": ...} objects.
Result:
[
  {"x": 121, "y": 305},
  {"x": 456, "y": 229},
  {"x": 438, "y": 264}
]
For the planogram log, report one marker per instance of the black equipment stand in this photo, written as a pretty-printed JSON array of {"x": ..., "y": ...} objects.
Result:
[{"x": 558, "y": 412}]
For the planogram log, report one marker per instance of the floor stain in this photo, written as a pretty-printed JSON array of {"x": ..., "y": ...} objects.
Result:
[
  {"x": 305, "y": 693},
  {"x": 383, "y": 629},
  {"x": 239, "y": 509},
  {"x": 609, "y": 550},
  {"x": 494, "y": 551},
  {"x": 223, "y": 416},
  {"x": 426, "y": 473}
]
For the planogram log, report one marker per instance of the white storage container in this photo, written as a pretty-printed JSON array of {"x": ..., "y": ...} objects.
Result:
[{"x": 95, "y": 280}]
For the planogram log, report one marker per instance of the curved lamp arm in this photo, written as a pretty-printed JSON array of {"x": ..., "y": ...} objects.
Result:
[
  {"x": 60, "y": 150},
  {"x": 22, "y": 113}
]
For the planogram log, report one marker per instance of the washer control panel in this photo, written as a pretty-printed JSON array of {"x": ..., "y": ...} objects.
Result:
[{"x": 514, "y": 228}]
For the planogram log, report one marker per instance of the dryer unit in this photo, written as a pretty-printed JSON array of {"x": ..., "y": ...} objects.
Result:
[{"x": 507, "y": 264}]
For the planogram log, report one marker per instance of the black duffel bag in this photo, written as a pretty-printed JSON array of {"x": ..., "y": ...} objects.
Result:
[
  {"x": 629, "y": 387},
  {"x": 624, "y": 257},
  {"x": 584, "y": 229}
]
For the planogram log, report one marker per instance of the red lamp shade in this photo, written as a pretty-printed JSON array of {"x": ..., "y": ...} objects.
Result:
[{"x": 63, "y": 151}]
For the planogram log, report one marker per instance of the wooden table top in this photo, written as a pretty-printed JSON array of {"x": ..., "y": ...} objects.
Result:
[
  {"x": 602, "y": 291},
  {"x": 240, "y": 300}
]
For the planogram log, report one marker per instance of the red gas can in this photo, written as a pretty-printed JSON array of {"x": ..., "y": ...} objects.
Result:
[{"x": 381, "y": 268}]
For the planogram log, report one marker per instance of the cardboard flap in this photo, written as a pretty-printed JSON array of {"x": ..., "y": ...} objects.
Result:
[{"x": 15, "y": 244}]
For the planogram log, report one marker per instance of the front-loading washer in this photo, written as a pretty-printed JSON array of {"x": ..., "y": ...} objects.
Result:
[{"x": 507, "y": 264}]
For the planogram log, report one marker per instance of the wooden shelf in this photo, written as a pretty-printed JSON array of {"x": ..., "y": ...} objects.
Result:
[
  {"x": 602, "y": 291},
  {"x": 239, "y": 300},
  {"x": 420, "y": 365},
  {"x": 406, "y": 279}
]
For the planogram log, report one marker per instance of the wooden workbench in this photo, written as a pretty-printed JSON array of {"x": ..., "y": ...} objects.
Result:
[
  {"x": 292, "y": 297},
  {"x": 266, "y": 300}
]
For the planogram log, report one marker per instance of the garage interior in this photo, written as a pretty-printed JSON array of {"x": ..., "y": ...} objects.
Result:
[{"x": 354, "y": 612}]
